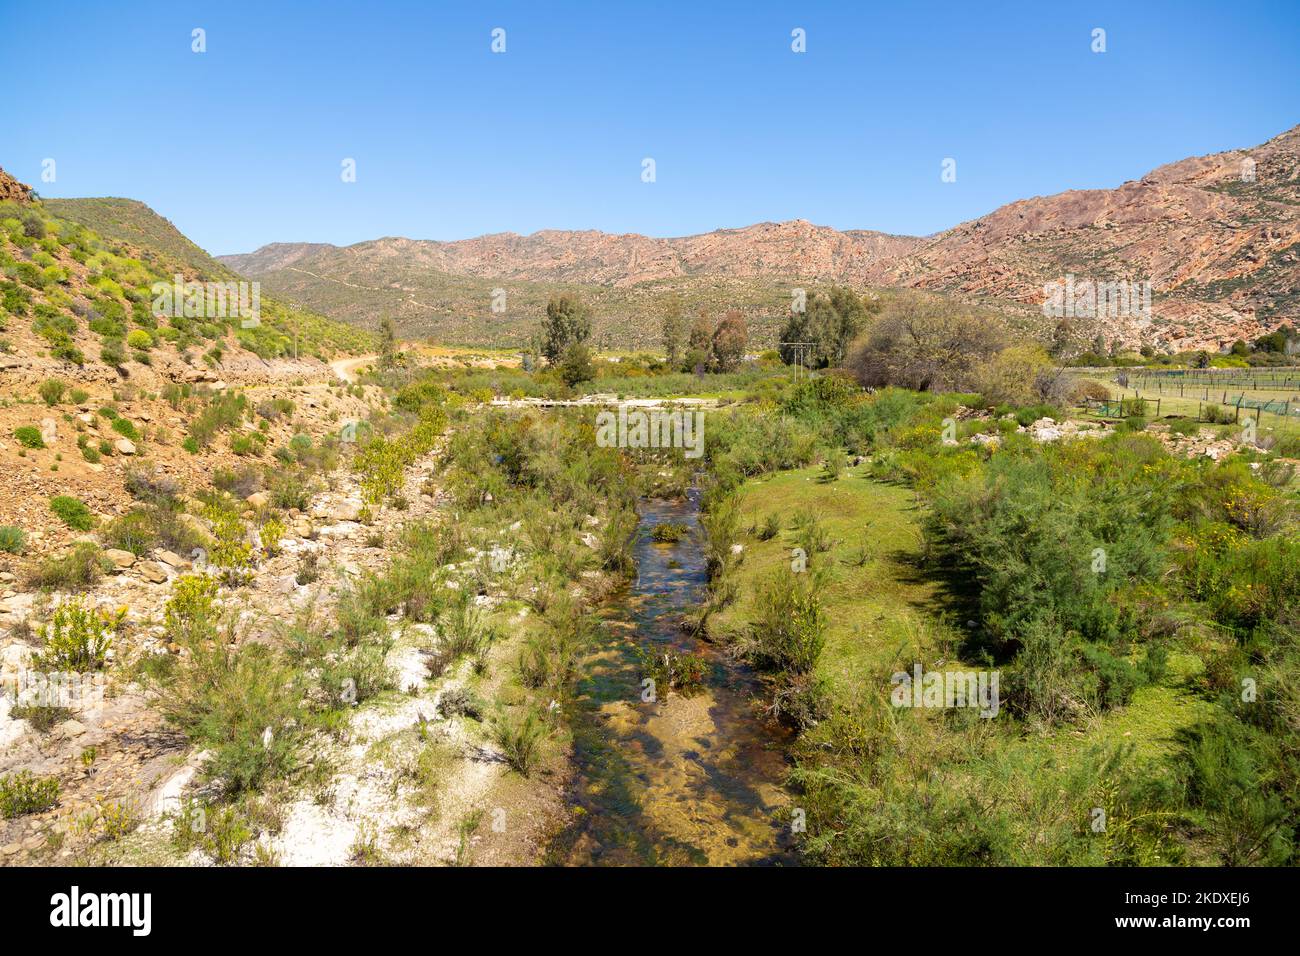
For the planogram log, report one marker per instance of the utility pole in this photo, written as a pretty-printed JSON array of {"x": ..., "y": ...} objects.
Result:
[{"x": 800, "y": 350}]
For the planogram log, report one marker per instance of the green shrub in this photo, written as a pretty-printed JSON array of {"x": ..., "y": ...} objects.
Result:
[
  {"x": 125, "y": 428},
  {"x": 669, "y": 532},
  {"x": 29, "y": 436},
  {"x": 133, "y": 531},
  {"x": 52, "y": 390},
  {"x": 111, "y": 353},
  {"x": 520, "y": 739},
  {"x": 74, "y": 570},
  {"x": 246, "y": 443},
  {"x": 789, "y": 631},
  {"x": 77, "y": 638},
  {"x": 22, "y": 793},
  {"x": 139, "y": 339},
  {"x": 240, "y": 704},
  {"x": 12, "y": 539},
  {"x": 73, "y": 512},
  {"x": 188, "y": 614}
]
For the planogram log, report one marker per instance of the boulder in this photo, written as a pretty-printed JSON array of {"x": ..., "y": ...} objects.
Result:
[
  {"x": 349, "y": 510},
  {"x": 121, "y": 559},
  {"x": 153, "y": 572},
  {"x": 258, "y": 500},
  {"x": 172, "y": 559},
  {"x": 49, "y": 430},
  {"x": 124, "y": 446}
]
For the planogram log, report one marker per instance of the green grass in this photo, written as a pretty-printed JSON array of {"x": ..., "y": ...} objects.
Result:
[
  {"x": 874, "y": 608},
  {"x": 885, "y": 612}
]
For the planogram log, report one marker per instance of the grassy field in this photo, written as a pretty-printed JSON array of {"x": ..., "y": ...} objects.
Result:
[
  {"x": 879, "y": 611},
  {"x": 884, "y": 608}
]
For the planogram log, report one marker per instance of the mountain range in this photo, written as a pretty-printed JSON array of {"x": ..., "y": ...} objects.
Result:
[{"x": 1217, "y": 237}]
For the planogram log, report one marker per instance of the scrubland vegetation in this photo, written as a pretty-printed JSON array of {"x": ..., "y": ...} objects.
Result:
[
  {"x": 882, "y": 506},
  {"x": 72, "y": 284}
]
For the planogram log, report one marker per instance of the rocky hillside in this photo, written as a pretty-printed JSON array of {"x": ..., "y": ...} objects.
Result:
[
  {"x": 1219, "y": 248},
  {"x": 591, "y": 257},
  {"x": 1222, "y": 250}
]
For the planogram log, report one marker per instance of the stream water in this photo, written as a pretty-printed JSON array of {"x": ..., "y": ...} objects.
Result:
[{"x": 689, "y": 779}]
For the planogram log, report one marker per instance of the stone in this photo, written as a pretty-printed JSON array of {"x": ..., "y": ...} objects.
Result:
[
  {"x": 172, "y": 559},
  {"x": 49, "y": 430},
  {"x": 124, "y": 446},
  {"x": 71, "y": 728},
  {"x": 121, "y": 559},
  {"x": 152, "y": 572},
  {"x": 258, "y": 500},
  {"x": 590, "y": 540},
  {"x": 349, "y": 510},
  {"x": 196, "y": 524},
  {"x": 304, "y": 529}
]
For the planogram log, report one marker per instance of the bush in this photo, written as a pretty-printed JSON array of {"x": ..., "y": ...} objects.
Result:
[
  {"x": 925, "y": 343},
  {"x": 139, "y": 339},
  {"x": 75, "y": 570},
  {"x": 12, "y": 539},
  {"x": 133, "y": 531},
  {"x": 520, "y": 739},
  {"x": 29, "y": 436},
  {"x": 125, "y": 428},
  {"x": 111, "y": 353},
  {"x": 23, "y": 793},
  {"x": 242, "y": 705},
  {"x": 151, "y": 485},
  {"x": 72, "y": 512},
  {"x": 790, "y": 630},
  {"x": 669, "y": 532},
  {"x": 52, "y": 390},
  {"x": 188, "y": 613},
  {"x": 77, "y": 638}
]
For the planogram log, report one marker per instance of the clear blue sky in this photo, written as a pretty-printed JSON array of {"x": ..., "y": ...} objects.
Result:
[{"x": 242, "y": 145}]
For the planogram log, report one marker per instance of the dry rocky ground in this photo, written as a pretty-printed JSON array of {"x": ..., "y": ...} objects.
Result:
[{"x": 117, "y": 762}]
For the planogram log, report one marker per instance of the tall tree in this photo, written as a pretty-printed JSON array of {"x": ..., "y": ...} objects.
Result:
[
  {"x": 729, "y": 341},
  {"x": 387, "y": 343},
  {"x": 674, "y": 330},
  {"x": 567, "y": 322},
  {"x": 699, "y": 344},
  {"x": 829, "y": 324}
]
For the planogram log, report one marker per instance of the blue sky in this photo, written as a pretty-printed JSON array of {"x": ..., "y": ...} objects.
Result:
[{"x": 242, "y": 145}]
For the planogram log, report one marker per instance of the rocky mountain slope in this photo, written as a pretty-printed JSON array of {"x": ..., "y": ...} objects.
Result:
[{"x": 1216, "y": 236}]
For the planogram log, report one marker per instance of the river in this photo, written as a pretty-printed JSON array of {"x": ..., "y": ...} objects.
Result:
[{"x": 687, "y": 779}]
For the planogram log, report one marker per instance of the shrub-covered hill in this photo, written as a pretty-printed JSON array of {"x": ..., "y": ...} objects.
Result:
[{"x": 76, "y": 301}]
